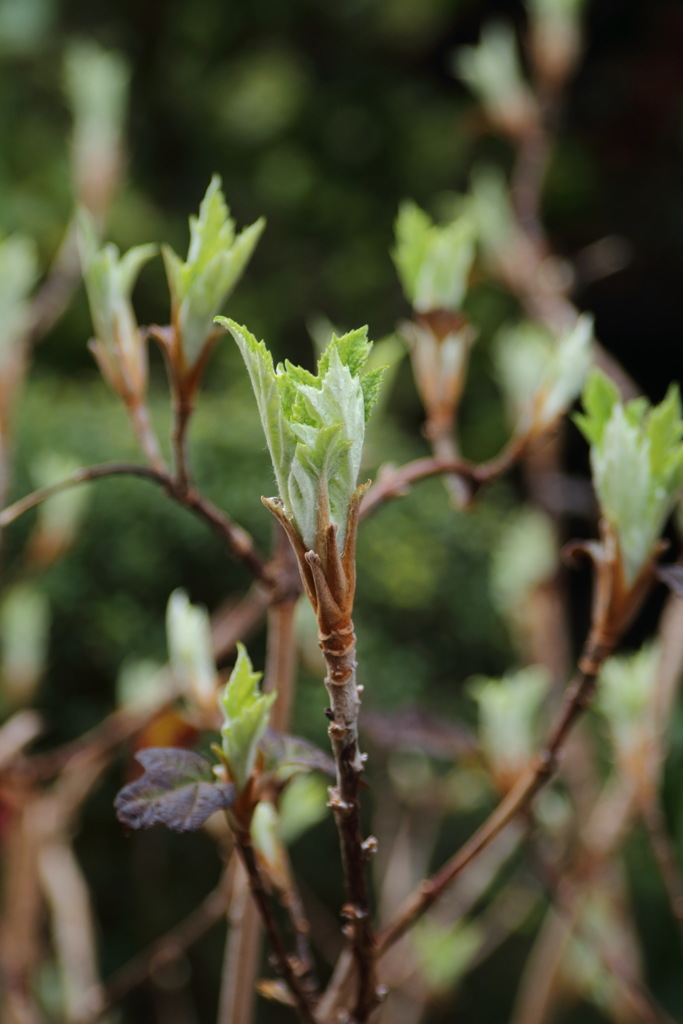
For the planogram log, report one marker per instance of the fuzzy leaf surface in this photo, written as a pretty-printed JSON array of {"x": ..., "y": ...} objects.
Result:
[{"x": 314, "y": 425}]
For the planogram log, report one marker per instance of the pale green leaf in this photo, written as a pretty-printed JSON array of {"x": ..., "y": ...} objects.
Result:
[
  {"x": 109, "y": 282},
  {"x": 637, "y": 463},
  {"x": 412, "y": 232},
  {"x": 433, "y": 261},
  {"x": 245, "y": 710},
  {"x": 188, "y": 631},
  {"x": 542, "y": 376},
  {"x": 314, "y": 425},
  {"x": 493, "y": 72},
  {"x": 215, "y": 261},
  {"x": 279, "y": 434},
  {"x": 599, "y": 398},
  {"x": 18, "y": 273},
  {"x": 626, "y": 697},
  {"x": 508, "y": 715}
]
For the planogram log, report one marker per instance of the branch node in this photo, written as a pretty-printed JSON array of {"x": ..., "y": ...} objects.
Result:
[{"x": 369, "y": 846}]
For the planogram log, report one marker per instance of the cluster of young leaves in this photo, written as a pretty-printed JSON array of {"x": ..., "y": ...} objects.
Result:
[
  {"x": 625, "y": 699},
  {"x": 637, "y": 462},
  {"x": 109, "y": 282},
  {"x": 215, "y": 262},
  {"x": 246, "y": 712},
  {"x": 433, "y": 261},
  {"x": 541, "y": 376},
  {"x": 493, "y": 71},
  {"x": 179, "y": 788},
  {"x": 314, "y": 425},
  {"x": 509, "y": 709},
  {"x": 188, "y": 630}
]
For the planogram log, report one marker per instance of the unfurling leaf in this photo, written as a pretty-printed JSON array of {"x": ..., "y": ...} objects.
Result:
[
  {"x": 96, "y": 84},
  {"x": 508, "y": 715},
  {"x": 542, "y": 377},
  {"x": 119, "y": 346},
  {"x": 178, "y": 789},
  {"x": 493, "y": 72},
  {"x": 245, "y": 711},
  {"x": 215, "y": 262},
  {"x": 627, "y": 697},
  {"x": 314, "y": 426},
  {"x": 637, "y": 464},
  {"x": 433, "y": 261},
  {"x": 188, "y": 631}
]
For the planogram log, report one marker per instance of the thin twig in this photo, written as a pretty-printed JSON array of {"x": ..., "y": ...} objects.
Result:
[
  {"x": 302, "y": 998},
  {"x": 236, "y": 537},
  {"x": 144, "y": 431},
  {"x": 81, "y": 476},
  {"x": 242, "y": 953},
  {"x": 167, "y": 948},
  {"x": 182, "y": 413},
  {"x": 345, "y": 804},
  {"x": 241, "y": 957},
  {"x": 517, "y": 800},
  {"x": 393, "y": 483},
  {"x": 653, "y": 819}
]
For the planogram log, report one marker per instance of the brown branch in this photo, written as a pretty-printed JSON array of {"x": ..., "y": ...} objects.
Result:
[
  {"x": 242, "y": 953},
  {"x": 238, "y": 540},
  {"x": 285, "y": 968},
  {"x": 393, "y": 483},
  {"x": 241, "y": 958},
  {"x": 12, "y": 512},
  {"x": 147, "y": 439},
  {"x": 167, "y": 948},
  {"x": 339, "y": 650},
  {"x": 182, "y": 412},
  {"x": 518, "y": 800},
  {"x": 653, "y": 819}
]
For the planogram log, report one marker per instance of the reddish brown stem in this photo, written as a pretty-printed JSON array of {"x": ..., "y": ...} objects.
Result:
[
  {"x": 243, "y": 948},
  {"x": 238, "y": 540},
  {"x": 144, "y": 431},
  {"x": 285, "y": 968},
  {"x": 395, "y": 482},
  {"x": 339, "y": 649},
  {"x": 182, "y": 411},
  {"x": 518, "y": 800}
]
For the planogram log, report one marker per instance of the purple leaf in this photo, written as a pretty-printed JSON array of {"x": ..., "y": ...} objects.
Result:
[
  {"x": 672, "y": 575},
  {"x": 178, "y": 790},
  {"x": 286, "y": 755}
]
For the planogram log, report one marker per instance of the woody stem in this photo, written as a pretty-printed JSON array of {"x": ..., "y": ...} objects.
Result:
[{"x": 339, "y": 650}]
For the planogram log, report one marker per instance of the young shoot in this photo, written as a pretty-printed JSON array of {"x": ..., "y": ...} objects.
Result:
[
  {"x": 315, "y": 427},
  {"x": 201, "y": 284},
  {"x": 637, "y": 463},
  {"x": 119, "y": 345}
]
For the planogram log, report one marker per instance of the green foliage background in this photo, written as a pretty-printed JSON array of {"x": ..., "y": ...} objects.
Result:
[{"x": 322, "y": 117}]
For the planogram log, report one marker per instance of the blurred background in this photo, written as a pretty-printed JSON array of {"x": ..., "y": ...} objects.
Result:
[{"x": 322, "y": 117}]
